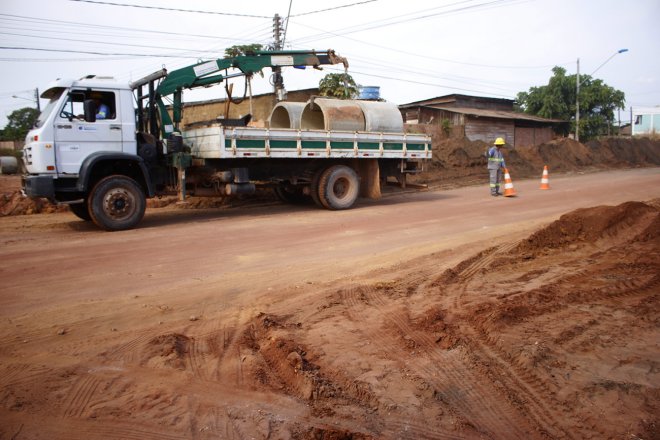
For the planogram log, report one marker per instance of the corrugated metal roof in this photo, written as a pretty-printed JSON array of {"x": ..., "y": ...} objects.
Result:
[
  {"x": 453, "y": 98},
  {"x": 499, "y": 114}
]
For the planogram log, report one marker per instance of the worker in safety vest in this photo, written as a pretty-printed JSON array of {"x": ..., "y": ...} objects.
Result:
[
  {"x": 496, "y": 166},
  {"x": 102, "y": 110}
]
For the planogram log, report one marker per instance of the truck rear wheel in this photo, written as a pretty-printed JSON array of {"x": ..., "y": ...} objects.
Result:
[
  {"x": 117, "y": 203},
  {"x": 314, "y": 188},
  {"x": 339, "y": 187}
]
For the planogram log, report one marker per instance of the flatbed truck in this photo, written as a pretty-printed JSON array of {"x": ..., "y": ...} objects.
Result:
[{"x": 106, "y": 168}]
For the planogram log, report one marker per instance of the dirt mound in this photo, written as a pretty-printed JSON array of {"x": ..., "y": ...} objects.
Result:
[
  {"x": 571, "y": 312},
  {"x": 14, "y": 203},
  {"x": 169, "y": 350},
  {"x": 458, "y": 162},
  {"x": 591, "y": 224}
]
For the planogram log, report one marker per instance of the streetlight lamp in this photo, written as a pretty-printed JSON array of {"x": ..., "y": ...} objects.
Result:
[
  {"x": 577, "y": 93},
  {"x": 35, "y": 99}
]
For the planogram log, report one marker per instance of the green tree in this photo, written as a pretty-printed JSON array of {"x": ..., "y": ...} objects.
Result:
[
  {"x": 338, "y": 85},
  {"x": 19, "y": 122},
  {"x": 556, "y": 100},
  {"x": 244, "y": 49}
]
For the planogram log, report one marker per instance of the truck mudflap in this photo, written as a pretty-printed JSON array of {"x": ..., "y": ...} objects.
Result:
[{"x": 39, "y": 186}]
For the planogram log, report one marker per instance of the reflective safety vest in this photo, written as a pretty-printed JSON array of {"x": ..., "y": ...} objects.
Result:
[{"x": 495, "y": 159}]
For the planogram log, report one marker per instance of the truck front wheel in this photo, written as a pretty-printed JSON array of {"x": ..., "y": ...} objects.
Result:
[
  {"x": 81, "y": 211},
  {"x": 339, "y": 187},
  {"x": 117, "y": 203}
]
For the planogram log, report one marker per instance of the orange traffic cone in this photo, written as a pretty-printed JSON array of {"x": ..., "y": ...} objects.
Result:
[
  {"x": 508, "y": 185},
  {"x": 545, "y": 183}
]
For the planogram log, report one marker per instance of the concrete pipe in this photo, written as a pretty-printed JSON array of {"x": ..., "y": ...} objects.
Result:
[
  {"x": 332, "y": 114},
  {"x": 286, "y": 115},
  {"x": 8, "y": 165},
  {"x": 381, "y": 116}
]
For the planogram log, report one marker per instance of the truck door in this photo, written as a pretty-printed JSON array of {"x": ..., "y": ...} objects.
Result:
[{"x": 75, "y": 139}]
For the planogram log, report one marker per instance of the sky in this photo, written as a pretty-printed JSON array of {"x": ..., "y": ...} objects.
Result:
[{"x": 412, "y": 49}]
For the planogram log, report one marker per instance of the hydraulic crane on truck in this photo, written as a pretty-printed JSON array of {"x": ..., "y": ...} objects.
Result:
[{"x": 206, "y": 74}]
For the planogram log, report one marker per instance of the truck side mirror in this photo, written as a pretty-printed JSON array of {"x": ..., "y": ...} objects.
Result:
[{"x": 90, "y": 110}]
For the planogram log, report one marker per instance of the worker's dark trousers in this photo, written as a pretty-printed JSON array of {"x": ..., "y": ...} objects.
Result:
[{"x": 495, "y": 179}]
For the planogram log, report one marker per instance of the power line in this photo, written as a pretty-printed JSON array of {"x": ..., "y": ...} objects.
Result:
[
  {"x": 160, "y": 8},
  {"x": 65, "y": 22},
  {"x": 96, "y": 53},
  {"x": 332, "y": 9},
  {"x": 421, "y": 82},
  {"x": 100, "y": 42},
  {"x": 399, "y": 18},
  {"x": 434, "y": 74}
]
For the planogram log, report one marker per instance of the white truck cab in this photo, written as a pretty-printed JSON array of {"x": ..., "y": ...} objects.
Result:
[{"x": 62, "y": 137}]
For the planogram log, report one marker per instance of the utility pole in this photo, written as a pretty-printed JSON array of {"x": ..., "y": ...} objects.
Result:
[
  {"x": 278, "y": 81},
  {"x": 36, "y": 98},
  {"x": 577, "y": 104}
]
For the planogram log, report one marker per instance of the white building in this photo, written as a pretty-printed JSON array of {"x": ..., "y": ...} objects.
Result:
[{"x": 645, "y": 121}]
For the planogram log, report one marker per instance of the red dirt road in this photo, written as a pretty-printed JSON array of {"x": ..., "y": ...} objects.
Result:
[{"x": 293, "y": 322}]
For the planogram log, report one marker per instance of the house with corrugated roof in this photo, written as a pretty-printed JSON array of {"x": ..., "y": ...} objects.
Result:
[{"x": 482, "y": 118}]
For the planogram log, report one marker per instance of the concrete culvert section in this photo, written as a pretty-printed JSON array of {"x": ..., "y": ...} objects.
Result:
[
  {"x": 332, "y": 114},
  {"x": 286, "y": 115},
  {"x": 8, "y": 165},
  {"x": 381, "y": 116}
]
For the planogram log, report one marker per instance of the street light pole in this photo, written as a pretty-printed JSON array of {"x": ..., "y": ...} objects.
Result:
[
  {"x": 36, "y": 99},
  {"x": 577, "y": 91},
  {"x": 577, "y": 103}
]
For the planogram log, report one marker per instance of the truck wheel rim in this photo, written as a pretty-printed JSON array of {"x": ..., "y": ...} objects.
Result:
[
  {"x": 340, "y": 188},
  {"x": 118, "y": 203}
]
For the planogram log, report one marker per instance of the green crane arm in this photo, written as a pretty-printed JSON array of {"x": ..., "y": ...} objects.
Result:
[{"x": 206, "y": 73}]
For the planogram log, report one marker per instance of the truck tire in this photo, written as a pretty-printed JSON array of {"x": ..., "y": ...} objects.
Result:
[
  {"x": 339, "y": 187},
  {"x": 81, "y": 210},
  {"x": 117, "y": 203},
  {"x": 314, "y": 188},
  {"x": 291, "y": 194}
]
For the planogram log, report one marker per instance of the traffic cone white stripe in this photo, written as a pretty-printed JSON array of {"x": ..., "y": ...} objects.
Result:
[
  {"x": 508, "y": 185},
  {"x": 545, "y": 181}
]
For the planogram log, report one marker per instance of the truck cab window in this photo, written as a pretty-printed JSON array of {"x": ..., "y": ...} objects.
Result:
[
  {"x": 104, "y": 103},
  {"x": 73, "y": 107}
]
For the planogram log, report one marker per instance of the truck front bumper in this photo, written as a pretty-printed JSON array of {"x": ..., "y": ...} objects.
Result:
[{"x": 39, "y": 186}]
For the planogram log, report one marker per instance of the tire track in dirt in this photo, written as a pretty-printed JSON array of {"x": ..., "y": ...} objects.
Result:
[
  {"x": 81, "y": 430},
  {"x": 80, "y": 397},
  {"x": 402, "y": 322},
  {"x": 475, "y": 265},
  {"x": 448, "y": 380},
  {"x": 541, "y": 406},
  {"x": 540, "y": 403},
  {"x": 353, "y": 298},
  {"x": 16, "y": 374},
  {"x": 129, "y": 352}
]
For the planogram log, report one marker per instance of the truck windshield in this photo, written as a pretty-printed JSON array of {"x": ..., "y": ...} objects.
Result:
[{"x": 53, "y": 96}]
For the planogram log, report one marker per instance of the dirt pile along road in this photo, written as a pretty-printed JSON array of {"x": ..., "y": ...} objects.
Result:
[{"x": 461, "y": 162}]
